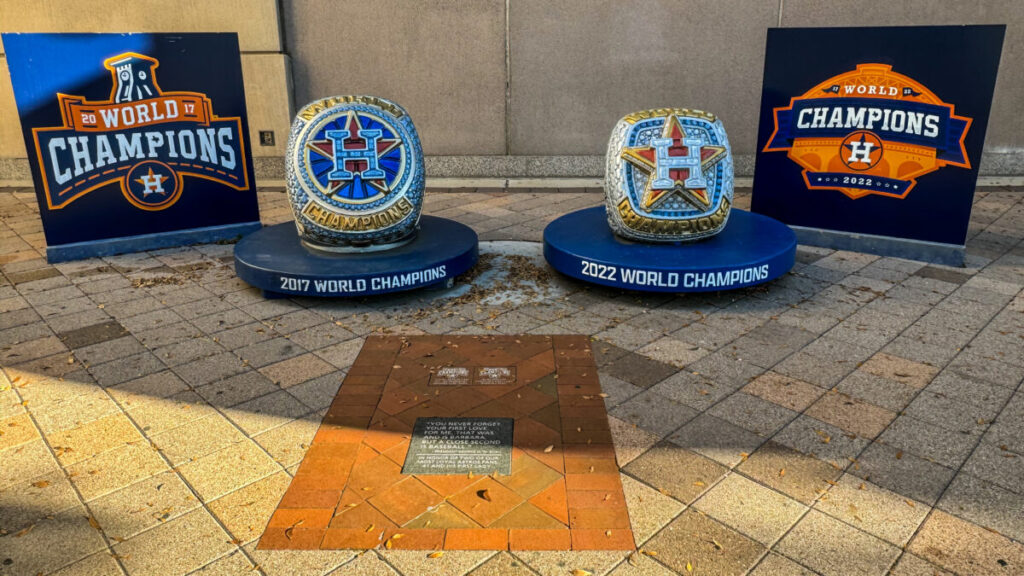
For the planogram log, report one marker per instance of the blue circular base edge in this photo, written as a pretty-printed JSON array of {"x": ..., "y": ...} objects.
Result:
[
  {"x": 275, "y": 260},
  {"x": 752, "y": 249}
]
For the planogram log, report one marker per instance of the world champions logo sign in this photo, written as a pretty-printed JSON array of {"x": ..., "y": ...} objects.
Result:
[
  {"x": 869, "y": 131},
  {"x": 142, "y": 137}
]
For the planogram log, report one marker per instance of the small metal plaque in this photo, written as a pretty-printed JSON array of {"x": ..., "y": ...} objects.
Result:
[
  {"x": 460, "y": 446},
  {"x": 495, "y": 376},
  {"x": 450, "y": 376}
]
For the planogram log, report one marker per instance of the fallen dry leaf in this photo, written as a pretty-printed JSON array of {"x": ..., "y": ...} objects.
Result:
[
  {"x": 24, "y": 531},
  {"x": 689, "y": 567},
  {"x": 782, "y": 472},
  {"x": 435, "y": 554},
  {"x": 290, "y": 530},
  {"x": 95, "y": 524},
  {"x": 41, "y": 484},
  {"x": 549, "y": 448},
  {"x": 582, "y": 572}
]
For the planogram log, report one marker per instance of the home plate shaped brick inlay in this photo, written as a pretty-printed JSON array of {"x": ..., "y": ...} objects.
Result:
[{"x": 460, "y": 443}]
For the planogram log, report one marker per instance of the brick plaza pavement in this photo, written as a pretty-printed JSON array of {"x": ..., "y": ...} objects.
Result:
[{"x": 860, "y": 415}]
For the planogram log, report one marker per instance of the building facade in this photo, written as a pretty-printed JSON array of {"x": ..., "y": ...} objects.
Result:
[{"x": 512, "y": 88}]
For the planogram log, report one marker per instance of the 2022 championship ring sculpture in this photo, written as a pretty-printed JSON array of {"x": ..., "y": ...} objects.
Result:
[
  {"x": 669, "y": 176},
  {"x": 354, "y": 170}
]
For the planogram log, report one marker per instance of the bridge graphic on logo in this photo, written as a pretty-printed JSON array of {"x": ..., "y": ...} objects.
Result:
[
  {"x": 869, "y": 131},
  {"x": 142, "y": 137}
]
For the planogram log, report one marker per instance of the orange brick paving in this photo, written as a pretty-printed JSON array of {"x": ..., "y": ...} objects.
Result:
[{"x": 564, "y": 491}]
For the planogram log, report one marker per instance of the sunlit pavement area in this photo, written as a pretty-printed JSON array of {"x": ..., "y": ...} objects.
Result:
[{"x": 860, "y": 415}]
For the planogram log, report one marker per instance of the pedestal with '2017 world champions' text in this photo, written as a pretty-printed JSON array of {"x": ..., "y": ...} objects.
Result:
[
  {"x": 668, "y": 206},
  {"x": 355, "y": 182}
]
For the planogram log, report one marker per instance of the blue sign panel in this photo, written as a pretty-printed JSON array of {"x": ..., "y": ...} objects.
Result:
[
  {"x": 135, "y": 141},
  {"x": 870, "y": 138}
]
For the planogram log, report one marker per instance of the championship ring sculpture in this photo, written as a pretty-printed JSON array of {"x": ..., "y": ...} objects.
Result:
[
  {"x": 354, "y": 169},
  {"x": 668, "y": 176}
]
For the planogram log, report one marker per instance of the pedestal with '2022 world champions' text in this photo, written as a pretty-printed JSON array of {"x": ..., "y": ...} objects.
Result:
[
  {"x": 670, "y": 223},
  {"x": 355, "y": 183}
]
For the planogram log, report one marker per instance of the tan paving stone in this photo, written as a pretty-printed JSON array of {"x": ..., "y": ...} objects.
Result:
[
  {"x": 266, "y": 412},
  {"x": 196, "y": 439},
  {"x": 776, "y": 565},
  {"x": 649, "y": 510},
  {"x": 169, "y": 413},
  {"x": 135, "y": 393},
  {"x": 965, "y": 548},
  {"x": 368, "y": 564},
  {"x": 785, "y": 391},
  {"x": 911, "y": 565},
  {"x": 33, "y": 550},
  {"x": 672, "y": 351},
  {"x": 675, "y": 471},
  {"x": 17, "y": 430},
  {"x": 873, "y": 509},
  {"x": 287, "y": 444},
  {"x": 986, "y": 505},
  {"x": 31, "y": 500},
  {"x": 850, "y": 414},
  {"x": 245, "y": 511},
  {"x": 88, "y": 440},
  {"x": 163, "y": 550},
  {"x": 501, "y": 564},
  {"x": 297, "y": 370},
  {"x": 832, "y": 548},
  {"x": 25, "y": 462},
  {"x": 560, "y": 563},
  {"x": 142, "y": 505},
  {"x": 115, "y": 469},
  {"x": 721, "y": 441},
  {"x": 916, "y": 374},
  {"x": 797, "y": 475},
  {"x": 80, "y": 409},
  {"x": 231, "y": 565},
  {"x": 630, "y": 441},
  {"x": 287, "y": 562},
  {"x": 417, "y": 562},
  {"x": 640, "y": 565},
  {"x": 227, "y": 469},
  {"x": 758, "y": 512},
  {"x": 99, "y": 564},
  {"x": 704, "y": 545}
]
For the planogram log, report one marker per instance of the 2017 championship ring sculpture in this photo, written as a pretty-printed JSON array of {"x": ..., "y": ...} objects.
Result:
[
  {"x": 354, "y": 173},
  {"x": 355, "y": 181},
  {"x": 668, "y": 176}
]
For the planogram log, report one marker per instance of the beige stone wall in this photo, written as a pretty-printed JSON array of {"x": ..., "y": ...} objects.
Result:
[{"x": 264, "y": 63}]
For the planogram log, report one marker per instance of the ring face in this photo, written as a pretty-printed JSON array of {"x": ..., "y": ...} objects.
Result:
[
  {"x": 668, "y": 176},
  {"x": 354, "y": 172}
]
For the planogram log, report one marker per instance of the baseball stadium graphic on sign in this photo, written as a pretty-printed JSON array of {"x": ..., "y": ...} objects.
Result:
[
  {"x": 869, "y": 131},
  {"x": 142, "y": 137}
]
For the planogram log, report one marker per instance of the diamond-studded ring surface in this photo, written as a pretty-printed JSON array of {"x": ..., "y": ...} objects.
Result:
[
  {"x": 354, "y": 172},
  {"x": 668, "y": 176}
]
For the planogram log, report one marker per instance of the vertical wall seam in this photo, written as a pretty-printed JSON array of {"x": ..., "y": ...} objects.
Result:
[
  {"x": 781, "y": 2},
  {"x": 508, "y": 82}
]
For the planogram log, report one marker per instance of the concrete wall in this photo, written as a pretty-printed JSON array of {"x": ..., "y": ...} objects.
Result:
[{"x": 519, "y": 87}]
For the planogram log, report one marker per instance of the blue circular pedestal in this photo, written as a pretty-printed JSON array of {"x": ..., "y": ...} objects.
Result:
[
  {"x": 750, "y": 250},
  {"x": 275, "y": 260}
]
